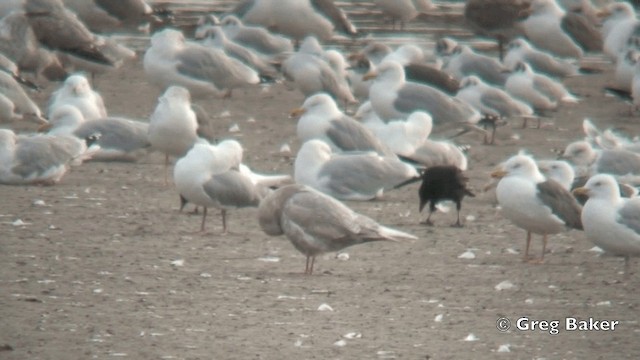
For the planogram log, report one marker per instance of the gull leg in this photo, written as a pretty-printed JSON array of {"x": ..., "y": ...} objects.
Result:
[
  {"x": 204, "y": 216},
  {"x": 306, "y": 267},
  {"x": 224, "y": 222},
  {"x": 166, "y": 169},
  {"x": 526, "y": 250},
  {"x": 313, "y": 260},
  {"x": 457, "y": 224}
]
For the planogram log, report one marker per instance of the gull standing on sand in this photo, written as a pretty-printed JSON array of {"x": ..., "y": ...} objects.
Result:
[
  {"x": 316, "y": 223},
  {"x": 208, "y": 176},
  {"x": 171, "y": 60},
  {"x": 392, "y": 97},
  {"x": 173, "y": 125},
  {"x": 533, "y": 203},
  {"x": 77, "y": 92},
  {"x": 321, "y": 119},
  {"x": 348, "y": 176},
  {"x": 38, "y": 159},
  {"x": 119, "y": 139},
  {"x": 610, "y": 221}
]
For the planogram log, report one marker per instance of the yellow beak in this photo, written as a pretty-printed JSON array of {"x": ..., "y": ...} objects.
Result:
[
  {"x": 499, "y": 174},
  {"x": 296, "y": 113},
  {"x": 603, "y": 13},
  {"x": 44, "y": 127},
  {"x": 370, "y": 75},
  {"x": 581, "y": 191}
]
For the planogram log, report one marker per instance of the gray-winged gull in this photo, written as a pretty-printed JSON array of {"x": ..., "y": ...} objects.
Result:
[
  {"x": 533, "y": 203},
  {"x": 519, "y": 50},
  {"x": 316, "y": 223},
  {"x": 392, "y": 97},
  {"x": 110, "y": 16},
  {"x": 321, "y": 119},
  {"x": 204, "y": 177},
  {"x": 624, "y": 164},
  {"x": 38, "y": 159},
  {"x": 16, "y": 104},
  {"x": 610, "y": 221},
  {"x": 348, "y": 176},
  {"x": 171, "y": 60},
  {"x": 559, "y": 170},
  {"x": 619, "y": 21},
  {"x": 255, "y": 37},
  {"x": 464, "y": 62},
  {"x": 77, "y": 91},
  {"x": 404, "y": 10},
  {"x": 119, "y": 139}
]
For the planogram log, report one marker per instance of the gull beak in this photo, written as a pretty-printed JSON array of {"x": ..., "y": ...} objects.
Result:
[
  {"x": 581, "y": 191},
  {"x": 296, "y": 113},
  {"x": 499, "y": 174},
  {"x": 370, "y": 75},
  {"x": 601, "y": 14},
  {"x": 44, "y": 127}
]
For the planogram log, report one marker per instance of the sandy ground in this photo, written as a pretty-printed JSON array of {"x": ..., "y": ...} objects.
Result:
[{"x": 108, "y": 267}]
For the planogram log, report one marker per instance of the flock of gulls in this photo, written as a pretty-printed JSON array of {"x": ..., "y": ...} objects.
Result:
[{"x": 374, "y": 119}]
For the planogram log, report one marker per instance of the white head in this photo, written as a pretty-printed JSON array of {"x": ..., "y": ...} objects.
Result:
[
  {"x": 422, "y": 121},
  {"x": 521, "y": 165},
  {"x": 388, "y": 71},
  {"x": 408, "y": 53},
  {"x": 336, "y": 61},
  {"x": 167, "y": 38},
  {"x": 311, "y": 45},
  {"x": 601, "y": 187},
  {"x": 77, "y": 84},
  {"x": 231, "y": 20},
  {"x": 545, "y": 7},
  {"x": 232, "y": 151},
  {"x": 320, "y": 103},
  {"x": 558, "y": 170},
  {"x": 580, "y": 153},
  {"x": 7, "y": 138},
  {"x": 470, "y": 82},
  {"x": 311, "y": 156},
  {"x": 617, "y": 11},
  {"x": 177, "y": 94}
]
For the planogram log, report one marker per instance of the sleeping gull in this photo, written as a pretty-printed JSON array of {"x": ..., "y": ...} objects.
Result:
[
  {"x": 519, "y": 50},
  {"x": 610, "y": 221},
  {"x": 173, "y": 125},
  {"x": 533, "y": 203},
  {"x": 321, "y": 119},
  {"x": 311, "y": 74},
  {"x": 38, "y": 159},
  {"x": 348, "y": 176},
  {"x": 492, "y": 101},
  {"x": 316, "y": 223},
  {"x": 171, "y": 60},
  {"x": 77, "y": 92},
  {"x": 119, "y": 139},
  {"x": 58, "y": 28},
  {"x": 205, "y": 177},
  {"x": 392, "y": 97},
  {"x": 464, "y": 62},
  {"x": 539, "y": 91}
]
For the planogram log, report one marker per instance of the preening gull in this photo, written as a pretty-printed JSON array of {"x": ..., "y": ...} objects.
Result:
[
  {"x": 519, "y": 50},
  {"x": 392, "y": 97},
  {"x": 348, "y": 176},
  {"x": 610, "y": 221},
  {"x": 533, "y": 203},
  {"x": 206, "y": 177},
  {"x": 173, "y": 125},
  {"x": 171, "y": 60},
  {"x": 321, "y": 119},
  {"x": 38, "y": 159},
  {"x": 119, "y": 139},
  {"x": 316, "y": 223},
  {"x": 77, "y": 92}
]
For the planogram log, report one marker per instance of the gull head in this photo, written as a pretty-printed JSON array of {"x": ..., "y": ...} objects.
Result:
[
  {"x": 579, "y": 153},
  {"x": 520, "y": 165},
  {"x": 600, "y": 186}
]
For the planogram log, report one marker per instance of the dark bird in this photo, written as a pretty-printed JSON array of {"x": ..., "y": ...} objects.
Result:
[
  {"x": 316, "y": 223},
  {"x": 439, "y": 183}
]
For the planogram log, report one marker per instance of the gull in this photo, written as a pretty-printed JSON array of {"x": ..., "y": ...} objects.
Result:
[
  {"x": 311, "y": 74},
  {"x": 171, "y": 60},
  {"x": 320, "y": 118},
  {"x": 496, "y": 18},
  {"x": 19, "y": 43},
  {"x": 539, "y": 91},
  {"x": 255, "y": 37},
  {"x": 392, "y": 97},
  {"x": 316, "y": 223},
  {"x": 15, "y": 103},
  {"x": 464, "y": 62},
  {"x": 619, "y": 22},
  {"x": 551, "y": 28},
  {"x": 58, "y": 28},
  {"x": 109, "y": 16},
  {"x": 560, "y": 171},
  {"x": 533, "y": 203},
  {"x": 348, "y": 176},
  {"x": 205, "y": 176},
  {"x": 610, "y": 221},
  {"x": 38, "y": 159},
  {"x": 492, "y": 101},
  {"x": 519, "y": 50},
  {"x": 173, "y": 125},
  {"x": 77, "y": 92},
  {"x": 119, "y": 139},
  {"x": 215, "y": 37},
  {"x": 404, "y": 10},
  {"x": 8, "y": 66},
  {"x": 623, "y": 164}
]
